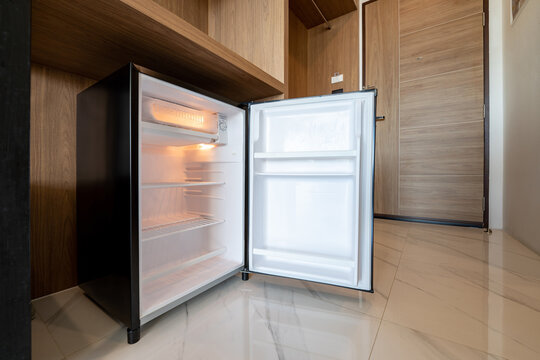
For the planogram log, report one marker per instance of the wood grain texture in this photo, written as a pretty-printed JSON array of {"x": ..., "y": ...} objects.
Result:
[
  {"x": 443, "y": 197},
  {"x": 441, "y": 111},
  {"x": 443, "y": 99},
  {"x": 452, "y": 46},
  {"x": 95, "y": 38},
  {"x": 298, "y": 37},
  {"x": 331, "y": 9},
  {"x": 456, "y": 149},
  {"x": 331, "y": 51},
  {"x": 253, "y": 29},
  {"x": 416, "y": 15},
  {"x": 194, "y": 12},
  {"x": 53, "y": 179},
  {"x": 382, "y": 71}
]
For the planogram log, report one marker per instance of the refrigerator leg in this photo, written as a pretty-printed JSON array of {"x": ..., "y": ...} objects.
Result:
[
  {"x": 133, "y": 335},
  {"x": 245, "y": 276}
]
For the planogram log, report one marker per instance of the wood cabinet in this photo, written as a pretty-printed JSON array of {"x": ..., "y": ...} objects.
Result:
[
  {"x": 95, "y": 38},
  {"x": 317, "y": 52},
  {"x": 231, "y": 49}
]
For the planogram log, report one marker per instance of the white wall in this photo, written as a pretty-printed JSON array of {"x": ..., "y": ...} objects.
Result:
[
  {"x": 496, "y": 128},
  {"x": 521, "y": 68}
]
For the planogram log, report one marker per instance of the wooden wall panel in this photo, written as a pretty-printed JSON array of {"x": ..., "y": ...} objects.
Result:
[
  {"x": 331, "y": 51},
  {"x": 448, "y": 47},
  {"x": 194, "y": 12},
  {"x": 253, "y": 29},
  {"x": 443, "y": 197},
  {"x": 52, "y": 178},
  {"x": 456, "y": 149},
  {"x": 420, "y": 14},
  {"x": 442, "y": 99},
  {"x": 382, "y": 71},
  {"x": 298, "y": 37}
]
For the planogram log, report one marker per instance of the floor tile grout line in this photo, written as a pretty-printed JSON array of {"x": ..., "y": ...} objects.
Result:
[{"x": 389, "y": 294}]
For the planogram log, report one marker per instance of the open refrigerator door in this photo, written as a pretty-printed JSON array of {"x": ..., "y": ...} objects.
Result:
[{"x": 311, "y": 189}]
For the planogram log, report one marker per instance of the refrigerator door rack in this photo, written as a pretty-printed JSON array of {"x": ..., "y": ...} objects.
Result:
[{"x": 304, "y": 155}]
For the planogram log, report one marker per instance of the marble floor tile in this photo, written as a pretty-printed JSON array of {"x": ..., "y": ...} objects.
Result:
[
  {"x": 466, "y": 289},
  {"x": 509, "y": 244},
  {"x": 392, "y": 234},
  {"x": 258, "y": 319},
  {"x": 386, "y": 254},
  {"x": 43, "y": 345},
  {"x": 480, "y": 248},
  {"x": 73, "y": 320},
  {"x": 442, "y": 293},
  {"x": 398, "y": 342},
  {"x": 417, "y": 309},
  {"x": 499, "y": 273},
  {"x": 49, "y": 306}
]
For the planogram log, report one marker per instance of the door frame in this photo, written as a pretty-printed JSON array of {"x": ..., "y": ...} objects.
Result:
[{"x": 485, "y": 223}]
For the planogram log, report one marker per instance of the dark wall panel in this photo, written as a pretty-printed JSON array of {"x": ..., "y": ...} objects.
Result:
[{"x": 14, "y": 179}]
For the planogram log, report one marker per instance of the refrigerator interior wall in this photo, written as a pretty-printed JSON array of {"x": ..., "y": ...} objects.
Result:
[
  {"x": 191, "y": 197},
  {"x": 307, "y": 192}
]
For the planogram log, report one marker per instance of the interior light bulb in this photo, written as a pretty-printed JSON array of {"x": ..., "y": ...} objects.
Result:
[{"x": 206, "y": 146}]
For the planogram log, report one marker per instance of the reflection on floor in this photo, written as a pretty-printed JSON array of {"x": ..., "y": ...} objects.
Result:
[{"x": 440, "y": 293}]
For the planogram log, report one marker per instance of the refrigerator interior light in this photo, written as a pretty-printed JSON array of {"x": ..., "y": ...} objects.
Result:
[{"x": 206, "y": 146}]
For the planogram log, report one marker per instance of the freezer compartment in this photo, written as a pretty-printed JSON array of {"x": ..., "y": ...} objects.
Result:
[{"x": 183, "y": 117}]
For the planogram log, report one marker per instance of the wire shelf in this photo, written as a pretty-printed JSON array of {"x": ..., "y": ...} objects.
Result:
[{"x": 176, "y": 225}]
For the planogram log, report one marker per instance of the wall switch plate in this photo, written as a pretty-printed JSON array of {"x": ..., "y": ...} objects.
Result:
[{"x": 337, "y": 78}]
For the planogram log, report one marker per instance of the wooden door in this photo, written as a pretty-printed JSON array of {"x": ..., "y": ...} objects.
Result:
[{"x": 427, "y": 60}]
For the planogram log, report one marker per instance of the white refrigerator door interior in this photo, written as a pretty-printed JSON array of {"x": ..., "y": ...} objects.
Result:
[{"x": 311, "y": 189}]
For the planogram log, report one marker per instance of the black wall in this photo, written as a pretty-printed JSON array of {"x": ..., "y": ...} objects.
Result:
[{"x": 14, "y": 179}]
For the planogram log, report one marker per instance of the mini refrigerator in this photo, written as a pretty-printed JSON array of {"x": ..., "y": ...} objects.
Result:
[{"x": 178, "y": 191}]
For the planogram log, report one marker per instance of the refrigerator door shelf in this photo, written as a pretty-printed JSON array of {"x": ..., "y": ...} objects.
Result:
[{"x": 305, "y": 155}]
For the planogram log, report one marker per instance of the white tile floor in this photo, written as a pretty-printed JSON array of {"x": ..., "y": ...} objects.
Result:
[{"x": 440, "y": 293}]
